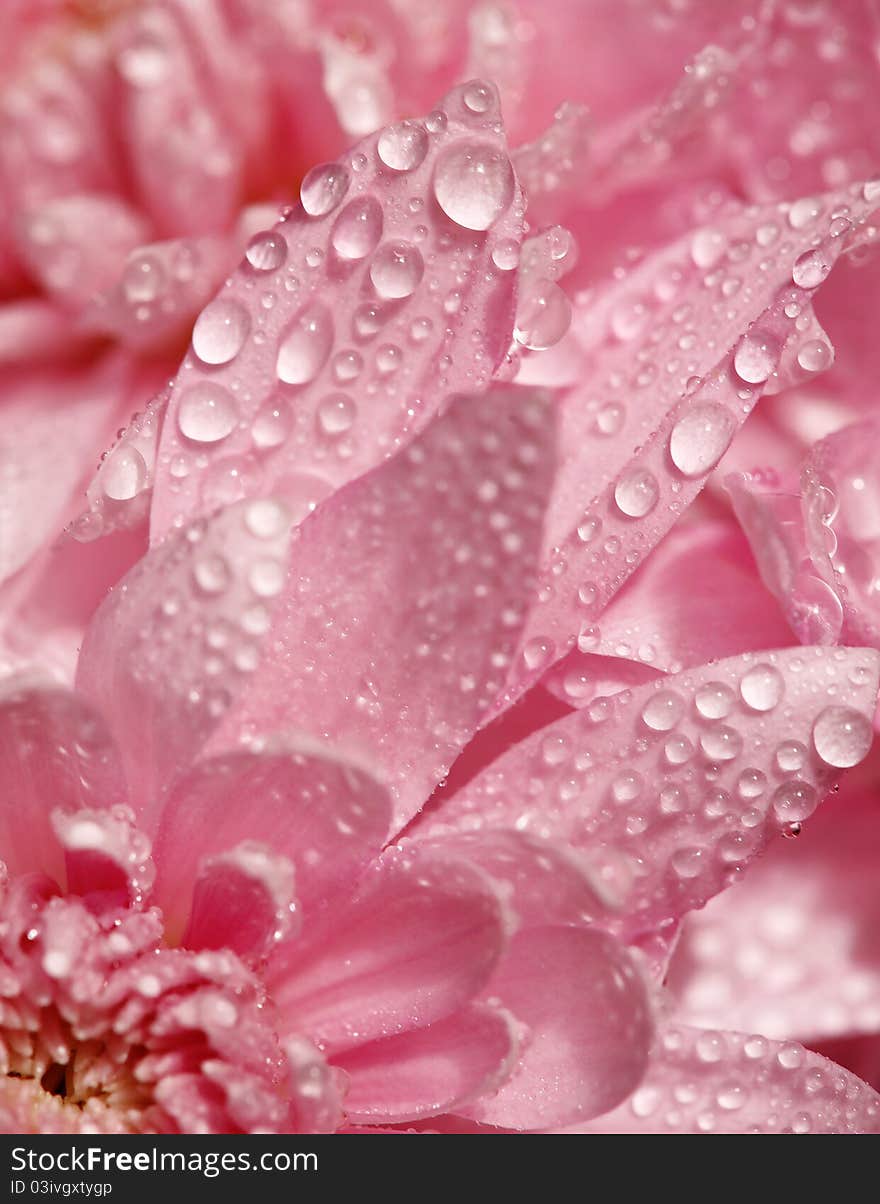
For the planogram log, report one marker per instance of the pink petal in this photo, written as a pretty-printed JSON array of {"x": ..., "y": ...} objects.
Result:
[
  {"x": 44, "y": 448},
  {"x": 589, "y": 1028},
  {"x": 793, "y": 951},
  {"x": 430, "y": 1070},
  {"x": 55, "y": 754},
  {"x": 338, "y": 337},
  {"x": 841, "y": 494},
  {"x": 35, "y": 330},
  {"x": 697, "y": 598},
  {"x": 172, "y": 645},
  {"x": 152, "y": 300},
  {"x": 542, "y": 883},
  {"x": 184, "y": 155},
  {"x": 324, "y": 814},
  {"x": 682, "y": 781},
  {"x": 716, "y": 1082},
  {"x": 408, "y": 592},
  {"x": 418, "y": 941},
  {"x": 76, "y": 246},
  {"x": 704, "y": 334}
]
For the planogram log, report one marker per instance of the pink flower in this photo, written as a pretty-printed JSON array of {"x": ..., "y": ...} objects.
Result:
[{"x": 441, "y": 693}]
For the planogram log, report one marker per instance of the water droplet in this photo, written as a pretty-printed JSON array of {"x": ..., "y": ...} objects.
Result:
[
  {"x": 357, "y": 230},
  {"x": 543, "y": 316},
  {"x": 505, "y": 254},
  {"x": 700, "y": 438},
  {"x": 336, "y": 414},
  {"x": 207, "y": 412},
  {"x": 266, "y": 578},
  {"x": 396, "y": 270},
  {"x": 323, "y": 188},
  {"x": 473, "y": 184},
  {"x": 636, "y": 493},
  {"x": 756, "y": 356},
  {"x": 687, "y": 863},
  {"x": 762, "y": 687},
  {"x": 842, "y": 736},
  {"x": 714, "y": 700},
  {"x": 212, "y": 574},
  {"x": 266, "y": 251},
  {"x": 610, "y": 419},
  {"x": 794, "y": 801},
  {"x": 143, "y": 278},
  {"x": 403, "y": 147},
  {"x": 272, "y": 424},
  {"x": 220, "y": 331},
  {"x": 306, "y": 345},
  {"x": 721, "y": 743},
  {"x": 815, "y": 355},
  {"x": 266, "y": 518},
  {"x": 790, "y": 756},
  {"x": 537, "y": 652},
  {"x": 662, "y": 711},
  {"x": 123, "y": 473},
  {"x": 477, "y": 97},
  {"x": 810, "y": 269}
]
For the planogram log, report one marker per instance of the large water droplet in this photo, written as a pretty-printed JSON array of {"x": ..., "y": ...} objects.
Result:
[
  {"x": 810, "y": 269},
  {"x": 543, "y": 316},
  {"x": 266, "y": 251},
  {"x": 756, "y": 356},
  {"x": 473, "y": 184},
  {"x": 815, "y": 355},
  {"x": 323, "y": 188},
  {"x": 636, "y": 493},
  {"x": 714, "y": 700},
  {"x": 396, "y": 270},
  {"x": 403, "y": 147},
  {"x": 662, "y": 711},
  {"x": 700, "y": 438},
  {"x": 358, "y": 228},
  {"x": 220, "y": 331},
  {"x": 272, "y": 424},
  {"x": 794, "y": 801},
  {"x": 306, "y": 345},
  {"x": 842, "y": 736},
  {"x": 207, "y": 412},
  {"x": 143, "y": 278},
  {"x": 336, "y": 414},
  {"x": 761, "y": 688},
  {"x": 123, "y": 473}
]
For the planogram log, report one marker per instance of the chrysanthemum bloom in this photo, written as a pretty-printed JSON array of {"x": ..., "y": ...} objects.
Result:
[{"x": 461, "y": 544}]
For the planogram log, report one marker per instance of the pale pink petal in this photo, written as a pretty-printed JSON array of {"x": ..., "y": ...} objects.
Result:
[
  {"x": 588, "y": 1028},
  {"x": 55, "y": 754},
  {"x": 417, "y": 941},
  {"x": 408, "y": 589},
  {"x": 327, "y": 816},
  {"x": 184, "y": 155},
  {"x": 676, "y": 354},
  {"x": 175, "y": 642},
  {"x": 840, "y": 481},
  {"x": 152, "y": 300},
  {"x": 793, "y": 950},
  {"x": 44, "y": 447},
  {"x": 54, "y": 140},
  {"x": 434, "y": 1069},
  {"x": 703, "y": 1081},
  {"x": 697, "y": 598},
  {"x": 542, "y": 882},
  {"x": 32, "y": 329},
  {"x": 343, "y": 331},
  {"x": 682, "y": 781},
  {"x": 76, "y": 246}
]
